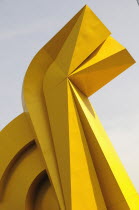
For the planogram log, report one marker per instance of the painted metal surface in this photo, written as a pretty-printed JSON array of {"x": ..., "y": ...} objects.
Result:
[{"x": 56, "y": 155}]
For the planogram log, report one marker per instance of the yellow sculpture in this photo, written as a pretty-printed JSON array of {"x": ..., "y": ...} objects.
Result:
[{"x": 56, "y": 154}]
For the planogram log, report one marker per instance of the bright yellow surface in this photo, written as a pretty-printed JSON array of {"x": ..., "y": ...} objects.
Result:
[
  {"x": 103, "y": 65},
  {"x": 59, "y": 156},
  {"x": 21, "y": 164},
  {"x": 11, "y": 145},
  {"x": 116, "y": 186}
]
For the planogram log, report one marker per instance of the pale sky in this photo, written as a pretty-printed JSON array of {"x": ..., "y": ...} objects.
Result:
[{"x": 25, "y": 26}]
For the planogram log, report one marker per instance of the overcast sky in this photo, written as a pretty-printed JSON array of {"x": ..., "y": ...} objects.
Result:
[{"x": 25, "y": 26}]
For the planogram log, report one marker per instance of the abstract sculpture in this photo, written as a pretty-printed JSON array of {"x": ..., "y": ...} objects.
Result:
[{"x": 56, "y": 155}]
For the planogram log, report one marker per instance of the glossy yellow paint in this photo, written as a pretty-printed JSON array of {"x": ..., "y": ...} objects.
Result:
[{"x": 59, "y": 156}]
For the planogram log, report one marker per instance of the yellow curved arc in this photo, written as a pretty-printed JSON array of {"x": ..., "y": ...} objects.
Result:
[
  {"x": 3, "y": 181},
  {"x": 41, "y": 195},
  {"x": 21, "y": 165},
  {"x": 14, "y": 138},
  {"x": 34, "y": 104},
  {"x": 23, "y": 172}
]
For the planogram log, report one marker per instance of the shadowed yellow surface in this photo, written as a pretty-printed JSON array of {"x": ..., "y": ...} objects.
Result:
[{"x": 56, "y": 155}]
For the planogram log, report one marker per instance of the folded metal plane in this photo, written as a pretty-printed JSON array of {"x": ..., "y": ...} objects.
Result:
[{"x": 56, "y": 154}]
